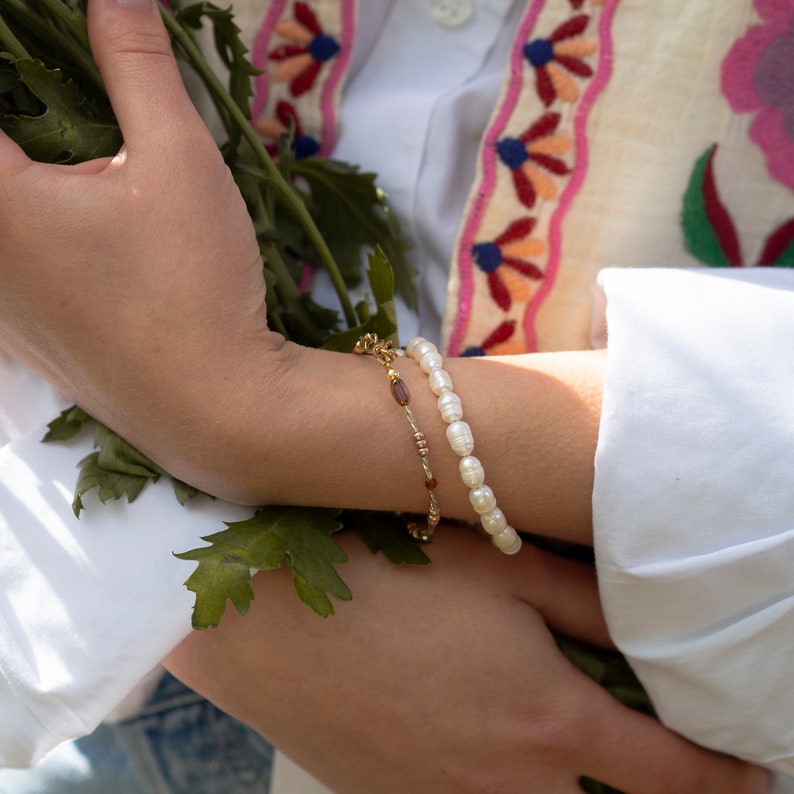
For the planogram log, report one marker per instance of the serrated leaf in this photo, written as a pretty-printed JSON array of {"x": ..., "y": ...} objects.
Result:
[
  {"x": 67, "y": 425},
  {"x": 384, "y": 321},
  {"x": 351, "y": 213},
  {"x": 111, "y": 485},
  {"x": 300, "y": 537},
  {"x": 183, "y": 492},
  {"x": 229, "y": 46},
  {"x": 387, "y": 533},
  {"x": 117, "y": 469},
  {"x": 118, "y": 455},
  {"x": 65, "y": 132}
]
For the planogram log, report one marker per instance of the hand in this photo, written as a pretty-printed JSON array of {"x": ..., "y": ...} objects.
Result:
[
  {"x": 445, "y": 681},
  {"x": 104, "y": 265}
]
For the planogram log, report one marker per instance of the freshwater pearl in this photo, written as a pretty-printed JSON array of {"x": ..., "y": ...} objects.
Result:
[
  {"x": 430, "y": 361},
  {"x": 422, "y": 348},
  {"x": 410, "y": 348},
  {"x": 482, "y": 499},
  {"x": 439, "y": 381},
  {"x": 460, "y": 438},
  {"x": 450, "y": 407},
  {"x": 507, "y": 541},
  {"x": 494, "y": 522},
  {"x": 471, "y": 472}
]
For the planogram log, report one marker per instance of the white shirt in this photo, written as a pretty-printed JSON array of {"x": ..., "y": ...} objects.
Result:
[{"x": 70, "y": 646}]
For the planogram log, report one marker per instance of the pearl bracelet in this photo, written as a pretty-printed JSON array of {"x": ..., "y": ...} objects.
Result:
[
  {"x": 381, "y": 350},
  {"x": 460, "y": 438}
]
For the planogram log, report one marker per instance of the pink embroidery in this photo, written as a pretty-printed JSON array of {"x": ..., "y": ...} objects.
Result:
[
  {"x": 758, "y": 77},
  {"x": 539, "y": 174},
  {"x": 488, "y": 164},
  {"x": 304, "y": 65},
  {"x": 592, "y": 92}
]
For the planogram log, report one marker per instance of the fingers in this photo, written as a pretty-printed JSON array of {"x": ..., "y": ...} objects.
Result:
[
  {"x": 133, "y": 52},
  {"x": 638, "y": 755},
  {"x": 565, "y": 592}
]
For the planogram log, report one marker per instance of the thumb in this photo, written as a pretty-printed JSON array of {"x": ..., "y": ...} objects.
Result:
[{"x": 133, "y": 51}]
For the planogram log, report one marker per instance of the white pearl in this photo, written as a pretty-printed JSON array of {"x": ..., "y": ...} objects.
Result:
[
  {"x": 507, "y": 541},
  {"x": 410, "y": 348},
  {"x": 460, "y": 438},
  {"x": 494, "y": 522},
  {"x": 482, "y": 499},
  {"x": 423, "y": 348},
  {"x": 449, "y": 406},
  {"x": 471, "y": 471},
  {"x": 439, "y": 381},
  {"x": 430, "y": 361}
]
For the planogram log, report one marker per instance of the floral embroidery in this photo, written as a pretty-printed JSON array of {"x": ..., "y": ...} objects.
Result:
[
  {"x": 495, "y": 341},
  {"x": 709, "y": 230},
  {"x": 527, "y": 181},
  {"x": 299, "y": 63},
  {"x": 534, "y": 153},
  {"x": 511, "y": 249},
  {"x": 558, "y": 57},
  {"x": 758, "y": 77},
  {"x": 287, "y": 117}
]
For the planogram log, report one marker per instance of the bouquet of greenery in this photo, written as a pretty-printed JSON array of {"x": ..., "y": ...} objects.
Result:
[
  {"x": 304, "y": 210},
  {"x": 310, "y": 210}
]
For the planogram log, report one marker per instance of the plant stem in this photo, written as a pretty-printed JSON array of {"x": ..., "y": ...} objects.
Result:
[
  {"x": 78, "y": 51},
  {"x": 285, "y": 191},
  {"x": 11, "y": 42}
]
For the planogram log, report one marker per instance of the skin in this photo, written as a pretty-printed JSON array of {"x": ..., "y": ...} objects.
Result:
[{"x": 105, "y": 304}]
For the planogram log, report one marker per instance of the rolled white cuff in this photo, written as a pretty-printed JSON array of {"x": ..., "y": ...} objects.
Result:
[{"x": 694, "y": 500}]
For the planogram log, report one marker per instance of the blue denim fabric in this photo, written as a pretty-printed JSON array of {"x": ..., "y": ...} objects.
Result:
[{"x": 179, "y": 743}]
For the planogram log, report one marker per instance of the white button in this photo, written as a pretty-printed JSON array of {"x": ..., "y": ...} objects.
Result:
[{"x": 451, "y": 13}]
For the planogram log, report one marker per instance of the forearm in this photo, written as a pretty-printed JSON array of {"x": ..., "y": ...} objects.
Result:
[{"x": 301, "y": 426}]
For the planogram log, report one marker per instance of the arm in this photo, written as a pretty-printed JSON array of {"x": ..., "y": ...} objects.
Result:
[
  {"x": 103, "y": 349},
  {"x": 231, "y": 408},
  {"x": 444, "y": 681}
]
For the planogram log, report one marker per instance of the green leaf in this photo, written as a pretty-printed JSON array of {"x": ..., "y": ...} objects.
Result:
[
  {"x": 352, "y": 213},
  {"x": 111, "y": 484},
  {"x": 117, "y": 469},
  {"x": 609, "y": 669},
  {"x": 301, "y": 537},
  {"x": 183, "y": 492},
  {"x": 384, "y": 321},
  {"x": 67, "y": 425},
  {"x": 387, "y": 533},
  {"x": 67, "y": 131},
  {"x": 229, "y": 46}
]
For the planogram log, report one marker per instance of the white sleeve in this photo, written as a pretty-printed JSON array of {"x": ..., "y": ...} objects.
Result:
[
  {"x": 694, "y": 500},
  {"x": 88, "y": 607}
]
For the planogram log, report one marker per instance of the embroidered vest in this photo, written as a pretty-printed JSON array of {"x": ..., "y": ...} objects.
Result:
[{"x": 627, "y": 133}]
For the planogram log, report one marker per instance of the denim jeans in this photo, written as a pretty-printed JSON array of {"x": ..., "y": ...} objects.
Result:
[{"x": 179, "y": 743}]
